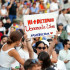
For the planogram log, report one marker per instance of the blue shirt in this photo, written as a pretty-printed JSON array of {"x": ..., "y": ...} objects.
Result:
[{"x": 34, "y": 10}]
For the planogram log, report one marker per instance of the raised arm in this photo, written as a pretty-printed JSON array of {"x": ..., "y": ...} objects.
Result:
[
  {"x": 28, "y": 42},
  {"x": 9, "y": 6},
  {"x": 51, "y": 47}
]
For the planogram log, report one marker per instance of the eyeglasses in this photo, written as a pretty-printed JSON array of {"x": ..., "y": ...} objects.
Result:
[{"x": 41, "y": 48}]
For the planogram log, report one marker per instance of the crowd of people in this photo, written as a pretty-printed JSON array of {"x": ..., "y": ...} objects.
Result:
[{"x": 18, "y": 52}]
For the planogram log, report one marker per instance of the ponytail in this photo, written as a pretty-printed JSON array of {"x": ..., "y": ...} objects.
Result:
[{"x": 9, "y": 41}]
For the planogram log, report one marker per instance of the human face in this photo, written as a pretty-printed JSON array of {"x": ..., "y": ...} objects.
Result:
[
  {"x": 8, "y": 21},
  {"x": 41, "y": 47},
  {"x": 12, "y": 29},
  {"x": 21, "y": 23},
  {"x": 55, "y": 1},
  {"x": 3, "y": 7},
  {"x": 60, "y": 27},
  {"x": 6, "y": 0},
  {"x": 4, "y": 40},
  {"x": 25, "y": 6},
  {"x": 24, "y": 43},
  {"x": 18, "y": 5},
  {"x": 68, "y": 44},
  {"x": 34, "y": 5},
  {"x": 42, "y": 2},
  {"x": 12, "y": 0}
]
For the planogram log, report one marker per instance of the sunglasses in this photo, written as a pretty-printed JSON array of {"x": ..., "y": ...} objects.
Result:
[
  {"x": 42, "y": 48},
  {"x": 34, "y": 61}
]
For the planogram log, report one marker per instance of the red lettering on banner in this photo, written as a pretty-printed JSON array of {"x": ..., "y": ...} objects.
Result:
[
  {"x": 34, "y": 21},
  {"x": 40, "y": 27},
  {"x": 40, "y": 21},
  {"x": 30, "y": 22}
]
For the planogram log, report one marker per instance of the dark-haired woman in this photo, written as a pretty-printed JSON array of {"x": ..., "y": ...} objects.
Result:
[
  {"x": 8, "y": 52},
  {"x": 45, "y": 60},
  {"x": 32, "y": 64},
  {"x": 42, "y": 7},
  {"x": 61, "y": 32},
  {"x": 40, "y": 46},
  {"x": 61, "y": 36},
  {"x": 24, "y": 53}
]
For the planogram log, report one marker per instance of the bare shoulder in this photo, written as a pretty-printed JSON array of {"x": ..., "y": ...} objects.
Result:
[
  {"x": 4, "y": 47},
  {"x": 12, "y": 52}
]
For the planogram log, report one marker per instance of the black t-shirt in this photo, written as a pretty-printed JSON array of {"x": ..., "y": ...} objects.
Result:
[
  {"x": 7, "y": 25},
  {"x": 12, "y": 10}
]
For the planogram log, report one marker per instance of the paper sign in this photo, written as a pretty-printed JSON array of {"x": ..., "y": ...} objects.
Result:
[{"x": 40, "y": 24}]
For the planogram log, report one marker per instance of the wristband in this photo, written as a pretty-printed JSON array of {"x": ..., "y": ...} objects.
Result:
[{"x": 28, "y": 40}]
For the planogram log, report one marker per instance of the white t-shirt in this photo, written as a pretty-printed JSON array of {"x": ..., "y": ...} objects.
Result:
[
  {"x": 65, "y": 55},
  {"x": 21, "y": 27},
  {"x": 68, "y": 31},
  {"x": 2, "y": 29},
  {"x": 37, "y": 4},
  {"x": 24, "y": 54},
  {"x": 62, "y": 19},
  {"x": 60, "y": 65},
  {"x": 46, "y": 1},
  {"x": 25, "y": 11},
  {"x": 4, "y": 11},
  {"x": 54, "y": 6}
]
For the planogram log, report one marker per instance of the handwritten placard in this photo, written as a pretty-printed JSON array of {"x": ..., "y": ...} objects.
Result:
[{"x": 40, "y": 24}]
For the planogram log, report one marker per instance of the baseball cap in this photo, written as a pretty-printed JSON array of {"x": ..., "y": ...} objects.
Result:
[
  {"x": 45, "y": 42},
  {"x": 60, "y": 24}
]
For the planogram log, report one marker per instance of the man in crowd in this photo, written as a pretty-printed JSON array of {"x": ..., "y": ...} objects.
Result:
[
  {"x": 54, "y": 8},
  {"x": 64, "y": 54},
  {"x": 12, "y": 6},
  {"x": 3, "y": 40}
]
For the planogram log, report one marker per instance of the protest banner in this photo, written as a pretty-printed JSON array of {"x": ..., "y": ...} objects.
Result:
[{"x": 40, "y": 24}]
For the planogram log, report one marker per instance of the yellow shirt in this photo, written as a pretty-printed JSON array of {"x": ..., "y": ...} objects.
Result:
[{"x": 48, "y": 6}]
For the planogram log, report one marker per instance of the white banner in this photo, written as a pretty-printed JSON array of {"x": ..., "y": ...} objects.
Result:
[{"x": 40, "y": 24}]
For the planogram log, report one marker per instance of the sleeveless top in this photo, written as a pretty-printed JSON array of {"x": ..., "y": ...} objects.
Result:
[{"x": 5, "y": 59}]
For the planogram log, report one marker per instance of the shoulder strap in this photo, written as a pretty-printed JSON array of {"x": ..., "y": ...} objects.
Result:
[{"x": 10, "y": 49}]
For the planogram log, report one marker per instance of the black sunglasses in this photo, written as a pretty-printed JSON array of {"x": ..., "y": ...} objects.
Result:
[{"x": 41, "y": 48}]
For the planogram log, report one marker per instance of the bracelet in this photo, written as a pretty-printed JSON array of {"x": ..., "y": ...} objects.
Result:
[{"x": 28, "y": 40}]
